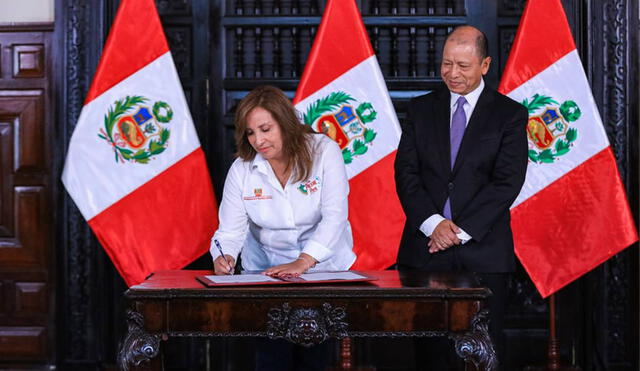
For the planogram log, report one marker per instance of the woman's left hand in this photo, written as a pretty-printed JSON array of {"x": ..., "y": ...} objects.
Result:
[{"x": 294, "y": 268}]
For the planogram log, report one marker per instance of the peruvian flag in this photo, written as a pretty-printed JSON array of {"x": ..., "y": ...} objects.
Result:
[
  {"x": 572, "y": 213},
  {"x": 134, "y": 167},
  {"x": 342, "y": 93}
]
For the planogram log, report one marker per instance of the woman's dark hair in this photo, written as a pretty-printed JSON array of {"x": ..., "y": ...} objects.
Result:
[{"x": 296, "y": 145}]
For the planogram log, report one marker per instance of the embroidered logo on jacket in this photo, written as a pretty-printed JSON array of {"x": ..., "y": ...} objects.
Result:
[
  {"x": 310, "y": 186},
  {"x": 257, "y": 195}
]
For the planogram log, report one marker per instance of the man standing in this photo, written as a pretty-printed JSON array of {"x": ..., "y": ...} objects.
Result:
[{"x": 460, "y": 164}]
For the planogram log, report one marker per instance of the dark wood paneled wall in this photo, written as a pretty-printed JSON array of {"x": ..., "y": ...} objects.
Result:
[
  {"x": 27, "y": 268},
  {"x": 223, "y": 49}
]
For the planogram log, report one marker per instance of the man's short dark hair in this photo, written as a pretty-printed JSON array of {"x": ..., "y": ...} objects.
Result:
[{"x": 482, "y": 44}]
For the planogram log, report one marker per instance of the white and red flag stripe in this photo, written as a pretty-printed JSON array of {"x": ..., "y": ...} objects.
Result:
[
  {"x": 343, "y": 94},
  {"x": 572, "y": 213},
  {"x": 134, "y": 166}
]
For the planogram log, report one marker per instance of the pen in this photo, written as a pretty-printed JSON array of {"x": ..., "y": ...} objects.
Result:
[{"x": 222, "y": 254}]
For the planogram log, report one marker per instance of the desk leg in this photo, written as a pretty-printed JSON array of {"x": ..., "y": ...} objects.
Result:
[
  {"x": 475, "y": 346},
  {"x": 138, "y": 346},
  {"x": 345, "y": 353}
]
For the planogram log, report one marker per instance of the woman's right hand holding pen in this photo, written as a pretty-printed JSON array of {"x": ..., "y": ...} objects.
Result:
[{"x": 222, "y": 266}]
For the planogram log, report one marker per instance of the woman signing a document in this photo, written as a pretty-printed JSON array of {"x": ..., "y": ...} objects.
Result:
[{"x": 284, "y": 208}]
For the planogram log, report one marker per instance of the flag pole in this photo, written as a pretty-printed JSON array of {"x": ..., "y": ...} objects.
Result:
[
  {"x": 553, "y": 345},
  {"x": 553, "y": 355}
]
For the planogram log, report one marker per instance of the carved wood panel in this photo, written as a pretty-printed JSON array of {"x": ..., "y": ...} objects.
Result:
[
  {"x": 26, "y": 319},
  {"x": 28, "y": 61},
  {"x": 23, "y": 344},
  {"x": 24, "y": 109},
  {"x": 31, "y": 298},
  {"x": 7, "y": 123}
]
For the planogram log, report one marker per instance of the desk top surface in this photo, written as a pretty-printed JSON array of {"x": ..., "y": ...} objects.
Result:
[{"x": 183, "y": 283}]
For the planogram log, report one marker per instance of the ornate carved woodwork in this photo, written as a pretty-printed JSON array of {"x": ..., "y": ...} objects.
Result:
[
  {"x": 26, "y": 212},
  {"x": 174, "y": 303},
  {"x": 307, "y": 326},
  {"x": 138, "y": 346},
  {"x": 615, "y": 77},
  {"x": 78, "y": 18},
  {"x": 406, "y": 48},
  {"x": 475, "y": 346},
  {"x": 620, "y": 107},
  {"x": 28, "y": 61}
]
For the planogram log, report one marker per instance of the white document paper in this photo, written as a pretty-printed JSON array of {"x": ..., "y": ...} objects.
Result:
[
  {"x": 327, "y": 276},
  {"x": 241, "y": 278}
]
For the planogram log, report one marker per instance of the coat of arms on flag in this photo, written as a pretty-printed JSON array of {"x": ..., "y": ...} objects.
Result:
[
  {"x": 145, "y": 123},
  {"x": 572, "y": 182},
  {"x": 548, "y": 128},
  {"x": 135, "y": 133},
  {"x": 343, "y": 94},
  {"x": 334, "y": 116}
]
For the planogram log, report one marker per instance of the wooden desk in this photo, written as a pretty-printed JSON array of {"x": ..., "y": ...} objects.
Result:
[{"x": 398, "y": 304}]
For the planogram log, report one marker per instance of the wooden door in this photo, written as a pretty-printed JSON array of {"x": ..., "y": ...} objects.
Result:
[{"x": 26, "y": 275}]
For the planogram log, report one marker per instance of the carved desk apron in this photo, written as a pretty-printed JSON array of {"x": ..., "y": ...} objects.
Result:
[{"x": 174, "y": 303}]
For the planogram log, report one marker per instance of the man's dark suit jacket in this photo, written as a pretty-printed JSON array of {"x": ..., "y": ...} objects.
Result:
[{"x": 487, "y": 176}]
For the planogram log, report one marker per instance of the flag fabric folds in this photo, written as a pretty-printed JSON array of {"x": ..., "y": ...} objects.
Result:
[
  {"x": 343, "y": 94},
  {"x": 572, "y": 213},
  {"x": 134, "y": 166}
]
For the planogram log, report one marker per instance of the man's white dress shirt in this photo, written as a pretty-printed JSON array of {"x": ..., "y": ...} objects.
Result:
[
  {"x": 305, "y": 217},
  {"x": 429, "y": 225}
]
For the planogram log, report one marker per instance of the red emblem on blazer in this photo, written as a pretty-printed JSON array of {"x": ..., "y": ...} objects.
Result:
[
  {"x": 310, "y": 186},
  {"x": 257, "y": 195}
]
